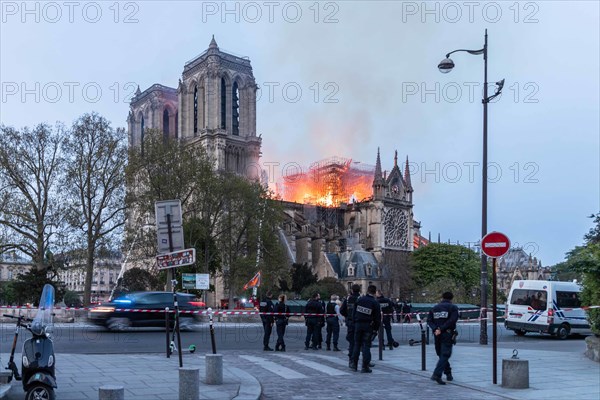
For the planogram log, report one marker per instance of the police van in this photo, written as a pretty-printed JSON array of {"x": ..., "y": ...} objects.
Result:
[{"x": 546, "y": 307}]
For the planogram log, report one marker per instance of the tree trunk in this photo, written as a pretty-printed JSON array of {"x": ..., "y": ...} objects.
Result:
[{"x": 89, "y": 273}]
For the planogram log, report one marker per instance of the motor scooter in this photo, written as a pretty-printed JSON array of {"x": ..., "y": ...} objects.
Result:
[{"x": 37, "y": 368}]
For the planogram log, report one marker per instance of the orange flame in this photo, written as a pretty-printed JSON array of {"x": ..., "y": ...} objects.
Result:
[{"x": 329, "y": 183}]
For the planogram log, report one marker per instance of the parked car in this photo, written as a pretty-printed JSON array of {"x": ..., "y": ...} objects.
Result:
[{"x": 108, "y": 314}]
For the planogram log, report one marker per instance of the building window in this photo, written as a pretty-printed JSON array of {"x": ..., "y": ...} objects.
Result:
[
  {"x": 195, "y": 109},
  {"x": 142, "y": 134},
  {"x": 166, "y": 123},
  {"x": 368, "y": 269},
  {"x": 176, "y": 124},
  {"x": 350, "y": 270},
  {"x": 235, "y": 105},
  {"x": 223, "y": 104}
]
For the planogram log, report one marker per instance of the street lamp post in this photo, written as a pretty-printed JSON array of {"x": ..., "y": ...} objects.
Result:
[{"x": 446, "y": 66}]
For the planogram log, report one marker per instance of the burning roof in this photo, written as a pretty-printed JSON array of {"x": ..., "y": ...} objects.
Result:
[{"x": 329, "y": 182}]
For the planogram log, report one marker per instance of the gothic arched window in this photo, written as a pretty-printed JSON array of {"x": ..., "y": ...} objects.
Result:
[
  {"x": 165, "y": 123},
  {"x": 235, "y": 105},
  {"x": 142, "y": 134},
  {"x": 195, "y": 109},
  {"x": 223, "y": 104}
]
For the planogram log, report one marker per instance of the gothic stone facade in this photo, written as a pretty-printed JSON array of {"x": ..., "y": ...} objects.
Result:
[
  {"x": 214, "y": 105},
  {"x": 360, "y": 243}
]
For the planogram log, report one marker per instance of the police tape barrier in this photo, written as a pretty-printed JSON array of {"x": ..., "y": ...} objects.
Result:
[{"x": 248, "y": 312}]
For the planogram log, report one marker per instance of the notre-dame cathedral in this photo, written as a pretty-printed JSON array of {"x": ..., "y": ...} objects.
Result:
[
  {"x": 358, "y": 240},
  {"x": 214, "y": 105}
]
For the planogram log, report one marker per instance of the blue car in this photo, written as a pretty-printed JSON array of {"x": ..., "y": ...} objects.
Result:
[{"x": 114, "y": 315}]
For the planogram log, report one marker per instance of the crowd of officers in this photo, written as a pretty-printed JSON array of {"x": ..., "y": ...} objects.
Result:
[{"x": 362, "y": 315}]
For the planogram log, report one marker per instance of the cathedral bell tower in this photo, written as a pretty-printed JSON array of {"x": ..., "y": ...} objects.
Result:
[
  {"x": 217, "y": 99},
  {"x": 214, "y": 105}
]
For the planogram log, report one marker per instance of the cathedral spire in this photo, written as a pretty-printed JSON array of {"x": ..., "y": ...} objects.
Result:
[
  {"x": 378, "y": 180},
  {"x": 407, "y": 176},
  {"x": 213, "y": 43},
  {"x": 396, "y": 158},
  {"x": 378, "y": 174}
]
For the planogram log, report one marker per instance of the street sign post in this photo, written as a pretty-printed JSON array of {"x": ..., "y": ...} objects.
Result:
[
  {"x": 202, "y": 281},
  {"x": 169, "y": 230},
  {"x": 176, "y": 259},
  {"x": 168, "y": 214},
  {"x": 494, "y": 245},
  {"x": 195, "y": 281}
]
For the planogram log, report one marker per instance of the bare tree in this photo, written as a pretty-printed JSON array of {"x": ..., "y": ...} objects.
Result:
[
  {"x": 30, "y": 211},
  {"x": 95, "y": 185},
  {"x": 224, "y": 214}
]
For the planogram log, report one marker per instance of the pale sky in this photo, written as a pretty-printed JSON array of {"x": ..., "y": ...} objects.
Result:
[{"x": 344, "y": 78}]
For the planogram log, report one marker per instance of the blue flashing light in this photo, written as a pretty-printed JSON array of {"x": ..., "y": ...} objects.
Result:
[{"x": 123, "y": 301}]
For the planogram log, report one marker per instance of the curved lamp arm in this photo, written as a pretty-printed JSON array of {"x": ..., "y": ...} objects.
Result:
[{"x": 474, "y": 52}]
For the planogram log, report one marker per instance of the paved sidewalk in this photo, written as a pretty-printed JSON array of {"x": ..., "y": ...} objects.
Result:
[
  {"x": 147, "y": 377},
  {"x": 552, "y": 374}
]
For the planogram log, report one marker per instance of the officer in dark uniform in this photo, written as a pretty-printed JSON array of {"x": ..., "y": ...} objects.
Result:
[
  {"x": 281, "y": 321},
  {"x": 387, "y": 311},
  {"x": 442, "y": 321},
  {"x": 312, "y": 321},
  {"x": 320, "y": 325},
  {"x": 406, "y": 309},
  {"x": 347, "y": 311},
  {"x": 367, "y": 317},
  {"x": 333, "y": 323},
  {"x": 266, "y": 306}
]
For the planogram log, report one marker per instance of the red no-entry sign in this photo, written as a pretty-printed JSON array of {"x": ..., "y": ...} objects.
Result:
[{"x": 495, "y": 244}]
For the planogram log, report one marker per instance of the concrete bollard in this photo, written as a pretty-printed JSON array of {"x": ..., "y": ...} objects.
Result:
[
  {"x": 515, "y": 373},
  {"x": 189, "y": 383},
  {"x": 111, "y": 392},
  {"x": 214, "y": 369}
]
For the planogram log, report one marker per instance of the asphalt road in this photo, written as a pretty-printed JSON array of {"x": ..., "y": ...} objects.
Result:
[{"x": 86, "y": 339}]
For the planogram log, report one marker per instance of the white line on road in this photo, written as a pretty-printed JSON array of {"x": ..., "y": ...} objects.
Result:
[
  {"x": 338, "y": 361},
  {"x": 275, "y": 368},
  {"x": 314, "y": 365}
]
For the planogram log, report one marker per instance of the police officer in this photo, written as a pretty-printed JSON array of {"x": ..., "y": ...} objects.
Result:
[
  {"x": 406, "y": 309},
  {"x": 442, "y": 321},
  {"x": 320, "y": 325},
  {"x": 333, "y": 323},
  {"x": 312, "y": 321},
  {"x": 367, "y": 317},
  {"x": 387, "y": 311},
  {"x": 281, "y": 321},
  {"x": 347, "y": 311},
  {"x": 266, "y": 306}
]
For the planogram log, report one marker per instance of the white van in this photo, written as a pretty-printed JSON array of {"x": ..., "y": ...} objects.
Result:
[{"x": 546, "y": 307}]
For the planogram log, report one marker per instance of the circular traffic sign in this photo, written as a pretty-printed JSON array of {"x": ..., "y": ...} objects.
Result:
[{"x": 495, "y": 244}]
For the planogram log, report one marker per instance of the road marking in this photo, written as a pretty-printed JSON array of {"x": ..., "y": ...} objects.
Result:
[
  {"x": 338, "y": 361},
  {"x": 275, "y": 368},
  {"x": 314, "y": 365}
]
